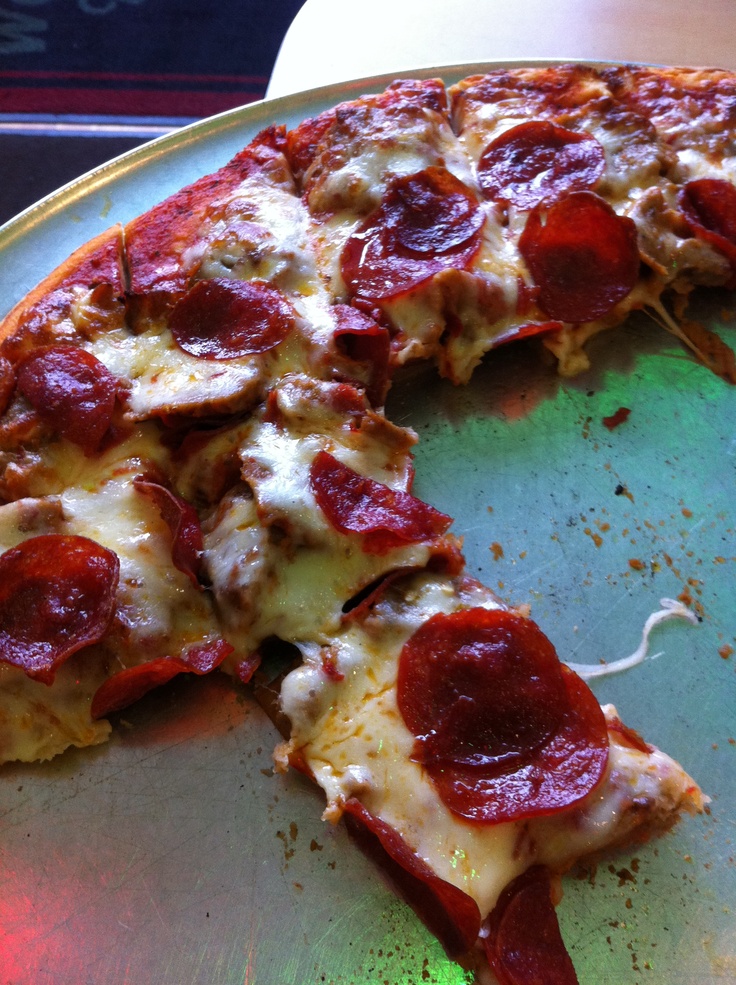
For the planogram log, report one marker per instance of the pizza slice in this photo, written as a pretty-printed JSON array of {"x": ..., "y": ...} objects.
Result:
[
  {"x": 100, "y": 601},
  {"x": 396, "y": 217},
  {"x": 475, "y": 765},
  {"x": 319, "y": 514},
  {"x": 574, "y": 171},
  {"x": 222, "y": 295}
]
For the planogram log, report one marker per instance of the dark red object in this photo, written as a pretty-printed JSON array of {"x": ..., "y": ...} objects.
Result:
[
  {"x": 127, "y": 686},
  {"x": 613, "y": 420},
  {"x": 227, "y": 319},
  {"x": 57, "y": 595},
  {"x": 524, "y": 945},
  {"x": 504, "y": 729},
  {"x": 386, "y": 518},
  {"x": 71, "y": 391},
  {"x": 582, "y": 255},
  {"x": 427, "y": 222},
  {"x": 538, "y": 160}
]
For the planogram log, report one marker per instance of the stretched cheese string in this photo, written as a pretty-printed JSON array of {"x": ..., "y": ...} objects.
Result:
[
  {"x": 671, "y": 609},
  {"x": 662, "y": 317}
]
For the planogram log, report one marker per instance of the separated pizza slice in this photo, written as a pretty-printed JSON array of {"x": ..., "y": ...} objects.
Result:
[{"x": 475, "y": 765}]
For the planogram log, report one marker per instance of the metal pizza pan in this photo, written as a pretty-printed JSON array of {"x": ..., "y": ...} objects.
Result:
[{"x": 175, "y": 854}]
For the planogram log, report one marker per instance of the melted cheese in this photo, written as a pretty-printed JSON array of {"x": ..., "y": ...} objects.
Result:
[
  {"x": 165, "y": 379},
  {"x": 236, "y": 556},
  {"x": 161, "y": 609},
  {"x": 38, "y": 722},
  {"x": 261, "y": 234},
  {"x": 693, "y": 163},
  {"x": 330, "y": 234},
  {"x": 28, "y": 518}
]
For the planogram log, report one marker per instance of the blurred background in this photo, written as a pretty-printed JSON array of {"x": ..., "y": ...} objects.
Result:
[{"x": 82, "y": 81}]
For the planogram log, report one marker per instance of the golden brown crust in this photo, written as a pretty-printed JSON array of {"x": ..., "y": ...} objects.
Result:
[{"x": 89, "y": 265}]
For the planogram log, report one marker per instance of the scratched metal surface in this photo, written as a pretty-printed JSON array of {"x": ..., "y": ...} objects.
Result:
[{"x": 174, "y": 855}]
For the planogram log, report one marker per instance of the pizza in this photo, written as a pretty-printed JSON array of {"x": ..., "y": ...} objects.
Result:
[{"x": 197, "y": 472}]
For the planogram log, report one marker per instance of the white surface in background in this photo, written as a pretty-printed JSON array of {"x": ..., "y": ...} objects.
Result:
[{"x": 335, "y": 40}]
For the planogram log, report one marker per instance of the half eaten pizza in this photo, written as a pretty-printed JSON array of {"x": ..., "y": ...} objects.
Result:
[{"x": 197, "y": 471}]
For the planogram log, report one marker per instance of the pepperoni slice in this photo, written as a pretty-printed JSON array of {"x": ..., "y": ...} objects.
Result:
[
  {"x": 582, "y": 255},
  {"x": 227, "y": 319},
  {"x": 709, "y": 205},
  {"x": 539, "y": 160},
  {"x": 524, "y": 944},
  {"x": 182, "y": 520},
  {"x": 386, "y": 518},
  {"x": 71, "y": 391},
  {"x": 127, "y": 686},
  {"x": 504, "y": 729},
  {"x": 364, "y": 340},
  {"x": 57, "y": 595},
  {"x": 450, "y": 914},
  {"x": 427, "y": 222}
]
